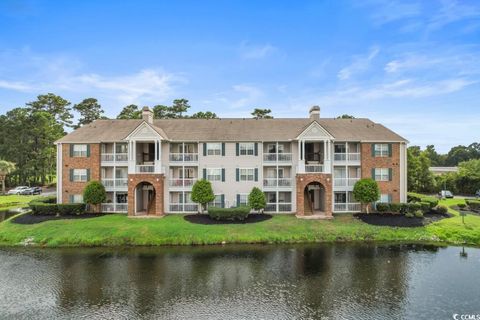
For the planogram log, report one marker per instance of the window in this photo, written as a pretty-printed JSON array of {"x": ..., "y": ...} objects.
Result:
[
  {"x": 247, "y": 149},
  {"x": 76, "y": 198},
  {"x": 271, "y": 197},
  {"x": 385, "y": 198},
  {"x": 214, "y": 149},
  {"x": 218, "y": 202},
  {"x": 214, "y": 174},
  {"x": 272, "y": 148},
  {"x": 122, "y": 197},
  {"x": 247, "y": 174},
  {"x": 79, "y": 175},
  {"x": 382, "y": 174},
  {"x": 340, "y": 197},
  {"x": 187, "y": 174},
  {"x": 381, "y": 150},
  {"x": 242, "y": 199},
  {"x": 121, "y": 148},
  {"x": 339, "y": 148},
  {"x": 281, "y": 148},
  {"x": 79, "y": 150}
]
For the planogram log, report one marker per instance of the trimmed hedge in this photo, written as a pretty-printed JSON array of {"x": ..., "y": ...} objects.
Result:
[
  {"x": 403, "y": 208},
  {"x": 473, "y": 204},
  {"x": 417, "y": 197},
  {"x": 383, "y": 207},
  {"x": 47, "y": 206},
  {"x": 238, "y": 213},
  {"x": 441, "y": 209}
]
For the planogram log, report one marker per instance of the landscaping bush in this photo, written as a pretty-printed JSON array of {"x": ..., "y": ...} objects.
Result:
[
  {"x": 409, "y": 215},
  {"x": 94, "y": 194},
  {"x": 416, "y": 197},
  {"x": 366, "y": 191},
  {"x": 74, "y": 209},
  {"x": 425, "y": 206},
  {"x": 47, "y": 206},
  {"x": 382, "y": 207},
  {"x": 257, "y": 200},
  {"x": 441, "y": 209},
  {"x": 202, "y": 193},
  {"x": 395, "y": 207},
  {"x": 462, "y": 205},
  {"x": 412, "y": 207},
  {"x": 418, "y": 214},
  {"x": 473, "y": 204},
  {"x": 404, "y": 208},
  {"x": 238, "y": 213}
]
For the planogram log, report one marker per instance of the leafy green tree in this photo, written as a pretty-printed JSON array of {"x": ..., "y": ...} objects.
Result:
[
  {"x": 469, "y": 176},
  {"x": 262, "y": 113},
  {"x": 202, "y": 193},
  {"x": 94, "y": 194},
  {"x": 204, "y": 115},
  {"x": 55, "y": 105},
  {"x": 366, "y": 191},
  {"x": 257, "y": 200},
  {"x": 90, "y": 110},
  {"x": 458, "y": 154},
  {"x": 179, "y": 107},
  {"x": 346, "y": 116},
  {"x": 162, "y": 112},
  {"x": 419, "y": 176},
  {"x": 6, "y": 168},
  {"x": 436, "y": 159},
  {"x": 130, "y": 112}
]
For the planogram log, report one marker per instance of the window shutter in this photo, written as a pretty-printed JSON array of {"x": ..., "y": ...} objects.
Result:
[
  {"x": 71, "y": 150},
  {"x": 238, "y": 200},
  {"x": 88, "y": 150},
  {"x": 389, "y": 198},
  {"x": 256, "y": 174},
  {"x": 389, "y": 149},
  {"x": 204, "y": 173},
  {"x": 222, "y": 200},
  {"x": 373, "y": 173},
  {"x": 237, "y": 147},
  {"x": 256, "y": 149},
  {"x": 88, "y": 174},
  {"x": 223, "y": 148},
  {"x": 71, "y": 175},
  {"x": 373, "y": 149},
  {"x": 390, "y": 174},
  {"x": 237, "y": 174},
  {"x": 204, "y": 149},
  {"x": 223, "y": 174},
  {"x": 70, "y": 198}
]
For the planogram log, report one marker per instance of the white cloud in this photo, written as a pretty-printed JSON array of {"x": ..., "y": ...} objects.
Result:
[
  {"x": 452, "y": 11},
  {"x": 359, "y": 64},
  {"x": 388, "y": 11},
  {"x": 249, "y": 51},
  {"x": 15, "y": 85}
]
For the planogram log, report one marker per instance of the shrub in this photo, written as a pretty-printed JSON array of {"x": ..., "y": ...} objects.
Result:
[
  {"x": 404, "y": 208},
  {"x": 425, "y": 206},
  {"x": 382, "y": 207},
  {"x": 65, "y": 209},
  {"x": 94, "y": 193},
  {"x": 418, "y": 214},
  {"x": 441, "y": 209},
  {"x": 256, "y": 199},
  {"x": 473, "y": 204},
  {"x": 414, "y": 197},
  {"x": 395, "y": 207},
  {"x": 44, "y": 206},
  {"x": 409, "y": 215},
  {"x": 412, "y": 207},
  {"x": 417, "y": 197},
  {"x": 366, "y": 191},
  {"x": 462, "y": 205},
  {"x": 238, "y": 213},
  {"x": 202, "y": 193}
]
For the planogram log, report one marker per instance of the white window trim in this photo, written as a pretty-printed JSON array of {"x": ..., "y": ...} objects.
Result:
[
  {"x": 382, "y": 174},
  {"x": 381, "y": 150},
  {"x": 246, "y": 148},
  {"x": 214, "y": 149},
  {"x": 246, "y": 175},
  {"x": 243, "y": 202},
  {"x": 79, "y": 176},
  {"x": 213, "y": 177},
  {"x": 77, "y": 198},
  {"x": 81, "y": 151}
]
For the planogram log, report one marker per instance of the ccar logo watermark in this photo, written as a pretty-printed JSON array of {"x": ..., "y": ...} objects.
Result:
[{"x": 457, "y": 316}]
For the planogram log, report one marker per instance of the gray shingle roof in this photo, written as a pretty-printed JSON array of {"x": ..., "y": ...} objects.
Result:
[{"x": 233, "y": 130}]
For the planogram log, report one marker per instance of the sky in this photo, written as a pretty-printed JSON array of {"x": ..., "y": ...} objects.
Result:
[{"x": 413, "y": 66}]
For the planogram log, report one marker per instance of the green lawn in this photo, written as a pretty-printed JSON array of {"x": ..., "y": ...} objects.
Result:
[
  {"x": 15, "y": 201},
  {"x": 117, "y": 229}
]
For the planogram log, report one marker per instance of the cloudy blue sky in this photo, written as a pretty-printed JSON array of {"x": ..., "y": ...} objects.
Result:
[{"x": 412, "y": 65}]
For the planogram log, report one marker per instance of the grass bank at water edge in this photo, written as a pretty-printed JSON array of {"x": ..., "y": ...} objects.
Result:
[{"x": 118, "y": 230}]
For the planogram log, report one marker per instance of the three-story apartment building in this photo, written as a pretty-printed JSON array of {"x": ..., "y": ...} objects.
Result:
[{"x": 304, "y": 166}]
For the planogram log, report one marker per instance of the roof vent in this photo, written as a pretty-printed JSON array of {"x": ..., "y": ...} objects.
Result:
[
  {"x": 314, "y": 113},
  {"x": 147, "y": 115}
]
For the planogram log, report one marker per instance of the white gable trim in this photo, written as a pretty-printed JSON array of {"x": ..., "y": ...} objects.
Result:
[
  {"x": 144, "y": 131},
  {"x": 319, "y": 132}
]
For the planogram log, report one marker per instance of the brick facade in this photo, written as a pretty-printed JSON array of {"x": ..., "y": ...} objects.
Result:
[
  {"x": 92, "y": 163},
  {"x": 303, "y": 179},
  {"x": 156, "y": 180},
  {"x": 370, "y": 162}
]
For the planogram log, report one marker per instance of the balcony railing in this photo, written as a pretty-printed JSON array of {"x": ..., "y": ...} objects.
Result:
[
  {"x": 271, "y": 207},
  {"x": 277, "y": 157},
  {"x": 111, "y": 157},
  {"x": 112, "y": 183},
  {"x": 121, "y": 157},
  {"x": 284, "y": 207},
  {"x": 352, "y": 156},
  {"x": 145, "y": 168},
  {"x": 347, "y": 207},
  {"x": 183, "y": 207},
  {"x": 114, "y": 207},
  {"x": 107, "y": 157},
  {"x": 183, "y": 157},
  {"x": 345, "y": 182},
  {"x": 277, "y": 182},
  {"x": 314, "y": 168},
  {"x": 182, "y": 182}
]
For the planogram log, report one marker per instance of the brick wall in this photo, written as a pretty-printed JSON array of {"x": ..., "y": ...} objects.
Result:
[
  {"x": 369, "y": 162},
  {"x": 92, "y": 162},
  {"x": 157, "y": 180},
  {"x": 303, "y": 179}
]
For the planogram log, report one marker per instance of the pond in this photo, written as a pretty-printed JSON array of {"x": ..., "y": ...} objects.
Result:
[
  {"x": 241, "y": 282},
  {"x": 5, "y": 214}
]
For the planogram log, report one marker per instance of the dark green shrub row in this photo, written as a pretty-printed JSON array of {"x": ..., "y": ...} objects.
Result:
[
  {"x": 48, "y": 206},
  {"x": 441, "y": 209},
  {"x": 416, "y": 197},
  {"x": 473, "y": 204},
  {"x": 238, "y": 213},
  {"x": 403, "y": 208}
]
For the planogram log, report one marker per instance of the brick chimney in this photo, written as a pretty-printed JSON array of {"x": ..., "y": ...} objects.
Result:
[
  {"x": 147, "y": 115},
  {"x": 314, "y": 113}
]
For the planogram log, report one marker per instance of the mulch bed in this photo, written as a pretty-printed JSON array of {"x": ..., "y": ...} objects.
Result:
[
  {"x": 205, "y": 219},
  {"x": 399, "y": 220},
  {"x": 31, "y": 219}
]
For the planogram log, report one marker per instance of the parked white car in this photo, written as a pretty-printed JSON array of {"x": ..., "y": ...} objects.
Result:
[{"x": 17, "y": 190}]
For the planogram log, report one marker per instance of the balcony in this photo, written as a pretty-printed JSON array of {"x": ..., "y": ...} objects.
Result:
[
  {"x": 182, "y": 183},
  {"x": 314, "y": 168},
  {"x": 183, "y": 157},
  {"x": 345, "y": 182},
  {"x": 183, "y": 207},
  {"x": 145, "y": 168},
  {"x": 114, "y": 207},
  {"x": 277, "y": 157},
  {"x": 120, "y": 183},
  {"x": 282, "y": 207},
  {"x": 277, "y": 182},
  {"x": 347, "y": 207},
  {"x": 346, "y": 157},
  {"x": 110, "y": 158}
]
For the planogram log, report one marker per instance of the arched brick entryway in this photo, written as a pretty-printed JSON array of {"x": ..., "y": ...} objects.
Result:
[
  {"x": 156, "y": 180},
  {"x": 305, "y": 179}
]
